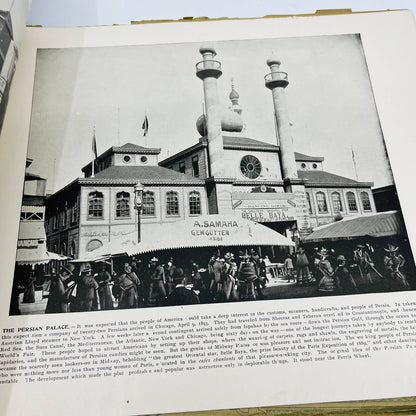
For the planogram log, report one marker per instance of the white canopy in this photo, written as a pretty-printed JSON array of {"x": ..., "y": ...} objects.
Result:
[
  {"x": 202, "y": 231},
  {"x": 33, "y": 256}
]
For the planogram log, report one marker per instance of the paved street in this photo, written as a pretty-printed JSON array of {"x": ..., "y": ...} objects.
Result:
[
  {"x": 33, "y": 308},
  {"x": 276, "y": 289}
]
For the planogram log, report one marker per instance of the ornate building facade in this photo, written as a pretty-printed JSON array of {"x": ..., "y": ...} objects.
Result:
[{"x": 224, "y": 172}]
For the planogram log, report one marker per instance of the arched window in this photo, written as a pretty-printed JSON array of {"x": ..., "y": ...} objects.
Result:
[
  {"x": 148, "y": 204},
  {"x": 95, "y": 205},
  {"x": 94, "y": 244},
  {"x": 336, "y": 202},
  {"x": 352, "y": 202},
  {"x": 63, "y": 249},
  {"x": 321, "y": 202},
  {"x": 55, "y": 220},
  {"x": 365, "y": 201},
  {"x": 74, "y": 213},
  {"x": 194, "y": 203},
  {"x": 55, "y": 248},
  {"x": 122, "y": 205},
  {"x": 308, "y": 198},
  {"x": 72, "y": 249},
  {"x": 172, "y": 203},
  {"x": 65, "y": 215}
]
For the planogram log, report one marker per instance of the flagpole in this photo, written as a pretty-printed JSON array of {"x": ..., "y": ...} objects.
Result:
[
  {"x": 118, "y": 125},
  {"x": 145, "y": 136},
  {"x": 93, "y": 154},
  {"x": 355, "y": 164},
  {"x": 145, "y": 127}
]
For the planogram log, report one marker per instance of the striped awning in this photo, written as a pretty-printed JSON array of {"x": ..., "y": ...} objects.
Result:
[
  {"x": 36, "y": 255},
  {"x": 202, "y": 231},
  {"x": 383, "y": 224}
]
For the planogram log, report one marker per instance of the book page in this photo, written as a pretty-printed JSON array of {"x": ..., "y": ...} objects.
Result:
[
  {"x": 13, "y": 16},
  {"x": 201, "y": 191}
]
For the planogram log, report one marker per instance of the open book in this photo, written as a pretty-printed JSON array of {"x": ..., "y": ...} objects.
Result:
[{"x": 231, "y": 203}]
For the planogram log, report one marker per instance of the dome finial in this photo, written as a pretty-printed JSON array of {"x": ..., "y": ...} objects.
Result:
[
  {"x": 234, "y": 95},
  {"x": 273, "y": 60},
  {"x": 207, "y": 49}
]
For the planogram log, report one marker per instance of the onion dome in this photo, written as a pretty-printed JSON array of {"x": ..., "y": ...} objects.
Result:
[
  {"x": 234, "y": 95},
  {"x": 207, "y": 49},
  {"x": 230, "y": 122},
  {"x": 273, "y": 60}
]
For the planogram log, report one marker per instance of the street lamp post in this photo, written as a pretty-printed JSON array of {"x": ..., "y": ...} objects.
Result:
[{"x": 138, "y": 203}]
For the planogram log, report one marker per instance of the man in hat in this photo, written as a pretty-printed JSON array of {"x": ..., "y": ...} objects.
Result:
[
  {"x": 302, "y": 267},
  {"x": 260, "y": 270},
  {"x": 344, "y": 278},
  {"x": 393, "y": 262},
  {"x": 59, "y": 292},
  {"x": 127, "y": 285},
  {"x": 86, "y": 289},
  {"x": 157, "y": 281},
  {"x": 174, "y": 272},
  {"x": 365, "y": 264},
  {"x": 247, "y": 275},
  {"x": 196, "y": 277},
  {"x": 181, "y": 294},
  {"x": 103, "y": 279},
  {"x": 327, "y": 284},
  {"x": 229, "y": 278},
  {"x": 215, "y": 268},
  {"x": 289, "y": 267}
]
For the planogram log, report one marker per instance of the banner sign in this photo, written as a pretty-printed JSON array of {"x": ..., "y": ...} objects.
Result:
[{"x": 258, "y": 207}]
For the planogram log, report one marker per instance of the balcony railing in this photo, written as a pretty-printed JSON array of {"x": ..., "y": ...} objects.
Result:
[
  {"x": 208, "y": 64},
  {"x": 276, "y": 76},
  {"x": 276, "y": 79},
  {"x": 208, "y": 68}
]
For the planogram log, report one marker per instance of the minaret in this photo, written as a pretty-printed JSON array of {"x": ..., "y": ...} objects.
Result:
[
  {"x": 277, "y": 81},
  {"x": 209, "y": 70}
]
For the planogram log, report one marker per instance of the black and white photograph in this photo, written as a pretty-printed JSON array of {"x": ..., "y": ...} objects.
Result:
[{"x": 210, "y": 172}]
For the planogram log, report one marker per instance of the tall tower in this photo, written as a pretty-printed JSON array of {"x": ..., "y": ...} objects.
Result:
[
  {"x": 277, "y": 81},
  {"x": 209, "y": 70}
]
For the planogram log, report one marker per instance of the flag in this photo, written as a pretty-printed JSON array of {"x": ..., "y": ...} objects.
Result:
[
  {"x": 145, "y": 126},
  {"x": 94, "y": 146},
  {"x": 354, "y": 162}
]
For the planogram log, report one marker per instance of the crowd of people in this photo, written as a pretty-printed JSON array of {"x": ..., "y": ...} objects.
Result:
[
  {"x": 139, "y": 283},
  {"x": 153, "y": 283},
  {"x": 334, "y": 274}
]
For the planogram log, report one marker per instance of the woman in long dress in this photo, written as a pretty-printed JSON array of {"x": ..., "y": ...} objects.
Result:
[
  {"x": 59, "y": 293},
  {"x": 103, "y": 279},
  {"x": 29, "y": 293}
]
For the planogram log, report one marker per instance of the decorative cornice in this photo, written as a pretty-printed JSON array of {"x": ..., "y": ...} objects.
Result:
[
  {"x": 144, "y": 151},
  {"x": 294, "y": 181},
  {"x": 133, "y": 181},
  {"x": 235, "y": 181},
  {"x": 271, "y": 148},
  {"x": 337, "y": 185},
  {"x": 261, "y": 182},
  {"x": 213, "y": 179}
]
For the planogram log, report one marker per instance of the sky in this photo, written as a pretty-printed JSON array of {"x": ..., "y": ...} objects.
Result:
[{"x": 329, "y": 96}]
